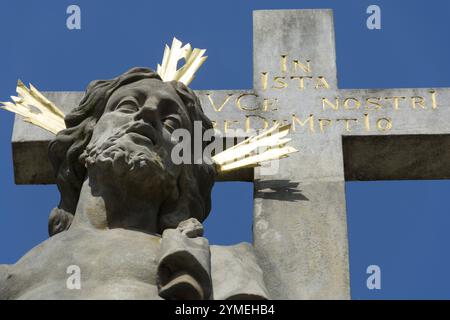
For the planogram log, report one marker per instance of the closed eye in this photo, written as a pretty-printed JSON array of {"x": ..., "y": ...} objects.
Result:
[
  {"x": 128, "y": 105},
  {"x": 172, "y": 122}
]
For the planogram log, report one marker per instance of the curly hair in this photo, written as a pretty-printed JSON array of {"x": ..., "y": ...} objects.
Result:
[{"x": 70, "y": 172}]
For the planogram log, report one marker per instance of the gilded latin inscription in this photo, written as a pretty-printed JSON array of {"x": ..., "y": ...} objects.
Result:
[{"x": 298, "y": 74}]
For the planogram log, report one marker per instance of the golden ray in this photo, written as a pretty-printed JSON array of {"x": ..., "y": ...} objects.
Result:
[
  {"x": 35, "y": 108},
  {"x": 248, "y": 153},
  {"x": 194, "y": 58}
]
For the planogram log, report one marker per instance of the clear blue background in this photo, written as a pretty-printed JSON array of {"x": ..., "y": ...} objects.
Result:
[{"x": 401, "y": 226}]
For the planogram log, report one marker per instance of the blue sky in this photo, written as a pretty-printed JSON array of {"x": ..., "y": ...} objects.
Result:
[{"x": 401, "y": 226}]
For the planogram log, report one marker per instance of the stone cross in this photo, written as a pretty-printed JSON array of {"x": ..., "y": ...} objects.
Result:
[{"x": 300, "y": 229}]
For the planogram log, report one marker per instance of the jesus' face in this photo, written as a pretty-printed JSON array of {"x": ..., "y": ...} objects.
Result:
[{"x": 132, "y": 140}]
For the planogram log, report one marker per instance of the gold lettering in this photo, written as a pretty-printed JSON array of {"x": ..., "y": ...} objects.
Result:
[
  {"x": 305, "y": 67},
  {"x": 301, "y": 82},
  {"x": 283, "y": 63},
  {"x": 227, "y": 125},
  {"x": 367, "y": 121},
  {"x": 270, "y": 103},
  {"x": 384, "y": 124},
  {"x": 280, "y": 81},
  {"x": 243, "y": 107},
  {"x": 295, "y": 120},
  {"x": 324, "y": 123},
  {"x": 248, "y": 124},
  {"x": 373, "y": 101},
  {"x": 347, "y": 123},
  {"x": 417, "y": 100},
  {"x": 352, "y": 106},
  {"x": 219, "y": 109},
  {"x": 395, "y": 101},
  {"x": 321, "y": 83},
  {"x": 325, "y": 102},
  {"x": 264, "y": 79},
  {"x": 433, "y": 99}
]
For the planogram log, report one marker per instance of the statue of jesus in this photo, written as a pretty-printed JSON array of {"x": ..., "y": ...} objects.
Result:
[{"x": 129, "y": 218}]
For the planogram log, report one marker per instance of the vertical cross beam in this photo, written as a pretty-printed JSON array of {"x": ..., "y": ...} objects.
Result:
[{"x": 300, "y": 229}]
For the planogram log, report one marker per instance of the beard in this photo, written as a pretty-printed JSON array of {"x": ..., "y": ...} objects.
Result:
[{"x": 128, "y": 158}]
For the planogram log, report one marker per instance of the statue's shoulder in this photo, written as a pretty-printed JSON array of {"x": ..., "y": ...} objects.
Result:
[
  {"x": 4, "y": 268},
  {"x": 4, "y": 273}
]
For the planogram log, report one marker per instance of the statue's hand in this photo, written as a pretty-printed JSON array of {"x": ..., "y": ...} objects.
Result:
[
  {"x": 192, "y": 228},
  {"x": 184, "y": 268}
]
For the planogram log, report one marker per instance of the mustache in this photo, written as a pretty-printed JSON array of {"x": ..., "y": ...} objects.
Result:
[
  {"x": 142, "y": 129},
  {"x": 116, "y": 152},
  {"x": 119, "y": 156}
]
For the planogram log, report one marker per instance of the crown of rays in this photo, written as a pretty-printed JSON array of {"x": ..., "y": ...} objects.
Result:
[{"x": 271, "y": 144}]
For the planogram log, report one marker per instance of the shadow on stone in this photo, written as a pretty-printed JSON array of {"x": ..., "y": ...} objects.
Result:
[{"x": 281, "y": 189}]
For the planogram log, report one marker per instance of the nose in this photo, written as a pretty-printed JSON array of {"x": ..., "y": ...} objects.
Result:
[{"x": 148, "y": 113}]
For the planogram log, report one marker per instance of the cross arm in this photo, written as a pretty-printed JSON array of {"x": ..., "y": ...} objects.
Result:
[
  {"x": 29, "y": 142},
  {"x": 396, "y": 134}
]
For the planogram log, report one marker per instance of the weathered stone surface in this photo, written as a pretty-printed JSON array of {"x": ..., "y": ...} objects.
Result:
[
  {"x": 184, "y": 267},
  {"x": 121, "y": 265},
  {"x": 191, "y": 228},
  {"x": 311, "y": 219},
  {"x": 110, "y": 269},
  {"x": 236, "y": 273},
  {"x": 341, "y": 134},
  {"x": 3, "y": 272},
  {"x": 399, "y": 157}
]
